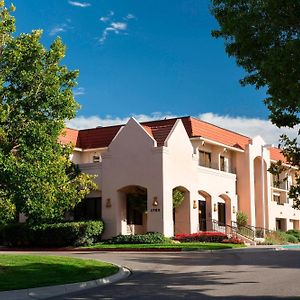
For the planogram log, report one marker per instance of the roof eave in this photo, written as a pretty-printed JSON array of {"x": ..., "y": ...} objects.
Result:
[{"x": 209, "y": 141}]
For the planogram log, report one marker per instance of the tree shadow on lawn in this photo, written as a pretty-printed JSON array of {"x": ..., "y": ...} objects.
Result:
[{"x": 43, "y": 274}]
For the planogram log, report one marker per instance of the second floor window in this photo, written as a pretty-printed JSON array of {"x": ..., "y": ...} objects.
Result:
[
  {"x": 222, "y": 163},
  {"x": 96, "y": 158},
  {"x": 205, "y": 159}
]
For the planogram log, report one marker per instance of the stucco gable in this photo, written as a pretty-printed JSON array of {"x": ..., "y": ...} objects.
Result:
[
  {"x": 132, "y": 134},
  {"x": 258, "y": 140},
  {"x": 178, "y": 137}
]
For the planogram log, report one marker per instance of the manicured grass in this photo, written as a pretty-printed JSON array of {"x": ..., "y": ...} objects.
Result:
[
  {"x": 186, "y": 246},
  {"x": 28, "y": 271}
]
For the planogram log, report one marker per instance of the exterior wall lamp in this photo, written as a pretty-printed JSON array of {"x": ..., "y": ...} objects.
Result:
[
  {"x": 215, "y": 207},
  {"x": 155, "y": 202},
  {"x": 108, "y": 202},
  {"x": 194, "y": 204}
]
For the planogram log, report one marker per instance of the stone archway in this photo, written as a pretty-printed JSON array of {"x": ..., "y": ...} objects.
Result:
[{"x": 133, "y": 209}]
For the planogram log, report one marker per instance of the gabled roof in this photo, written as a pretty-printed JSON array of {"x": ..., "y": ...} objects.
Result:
[{"x": 159, "y": 130}]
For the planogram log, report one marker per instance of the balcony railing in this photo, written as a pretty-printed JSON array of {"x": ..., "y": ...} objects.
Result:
[{"x": 216, "y": 167}]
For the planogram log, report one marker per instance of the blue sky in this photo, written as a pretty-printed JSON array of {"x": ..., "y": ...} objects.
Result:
[{"x": 145, "y": 58}]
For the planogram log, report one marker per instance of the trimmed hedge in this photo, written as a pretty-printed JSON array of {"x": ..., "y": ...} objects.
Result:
[
  {"x": 148, "y": 238},
  {"x": 205, "y": 236},
  {"x": 53, "y": 235}
]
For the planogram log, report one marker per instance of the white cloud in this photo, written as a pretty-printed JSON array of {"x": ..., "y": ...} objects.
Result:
[
  {"x": 119, "y": 25},
  {"x": 248, "y": 126},
  {"x": 115, "y": 27},
  {"x": 79, "y": 4},
  {"x": 58, "y": 29},
  {"x": 129, "y": 16},
  {"x": 79, "y": 91},
  {"x": 104, "y": 19}
]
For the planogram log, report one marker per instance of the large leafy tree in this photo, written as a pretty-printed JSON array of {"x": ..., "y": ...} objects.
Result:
[
  {"x": 264, "y": 38},
  {"x": 36, "y": 176}
]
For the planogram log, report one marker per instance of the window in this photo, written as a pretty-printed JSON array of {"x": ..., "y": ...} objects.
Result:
[
  {"x": 221, "y": 214},
  {"x": 205, "y": 159},
  {"x": 276, "y": 198},
  {"x": 96, "y": 158},
  {"x": 222, "y": 163},
  {"x": 88, "y": 209}
]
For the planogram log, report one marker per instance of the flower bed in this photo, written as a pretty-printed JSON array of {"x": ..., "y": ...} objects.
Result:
[{"x": 205, "y": 236}]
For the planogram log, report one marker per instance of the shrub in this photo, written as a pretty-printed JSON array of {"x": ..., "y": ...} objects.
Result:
[
  {"x": 53, "y": 235},
  {"x": 241, "y": 219},
  {"x": 259, "y": 233},
  {"x": 205, "y": 236},
  {"x": 16, "y": 235},
  {"x": 279, "y": 237},
  {"x": 1, "y": 234},
  {"x": 295, "y": 233},
  {"x": 148, "y": 238},
  {"x": 287, "y": 238},
  {"x": 291, "y": 238}
]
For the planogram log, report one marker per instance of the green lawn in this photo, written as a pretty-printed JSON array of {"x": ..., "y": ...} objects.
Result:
[
  {"x": 186, "y": 246},
  {"x": 27, "y": 271}
]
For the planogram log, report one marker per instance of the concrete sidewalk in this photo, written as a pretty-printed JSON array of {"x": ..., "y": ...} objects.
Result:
[{"x": 58, "y": 290}]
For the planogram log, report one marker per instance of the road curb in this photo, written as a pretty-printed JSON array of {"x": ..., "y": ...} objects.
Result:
[{"x": 58, "y": 290}]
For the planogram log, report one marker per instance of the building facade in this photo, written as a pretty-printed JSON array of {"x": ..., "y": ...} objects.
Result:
[{"x": 219, "y": 172}]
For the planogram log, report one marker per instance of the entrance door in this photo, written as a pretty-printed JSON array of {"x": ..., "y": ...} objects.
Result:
[
  {"x": 202, "y": 215},
  {"x": 221, "y": 213}
]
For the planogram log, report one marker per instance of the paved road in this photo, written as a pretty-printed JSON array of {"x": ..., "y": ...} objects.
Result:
[{"x": 194, "y": 275}]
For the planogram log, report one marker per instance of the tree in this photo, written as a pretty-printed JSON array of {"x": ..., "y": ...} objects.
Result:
[
  {"x": 178, "y": 198},
  {"x": 264, "y": 37},
  {"x": 37, "y": 177}
]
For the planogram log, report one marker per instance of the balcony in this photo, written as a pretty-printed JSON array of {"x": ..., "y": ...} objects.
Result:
[{"x": 223, "y": 169}]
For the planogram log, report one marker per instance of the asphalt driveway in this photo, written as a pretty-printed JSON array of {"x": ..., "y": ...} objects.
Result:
[{"x": 242, "y": 274}]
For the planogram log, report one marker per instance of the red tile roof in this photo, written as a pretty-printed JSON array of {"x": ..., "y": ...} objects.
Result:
[
  {"x": 99, "y": 137},
  {"x": 159, "y": 130},
  {"x": 69, "y": 136},
  {"x": 218, "y": 134},
  {"x": 275, "y": 154}
]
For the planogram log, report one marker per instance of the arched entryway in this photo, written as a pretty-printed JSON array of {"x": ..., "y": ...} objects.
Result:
[
  {"x": 181, "y": 210},
  {"x": 204, "y": 211},
  {"x": 134, "y": 209},
  {"x": 224, "y": 210},
  {"x": 260, "y": 218}
]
